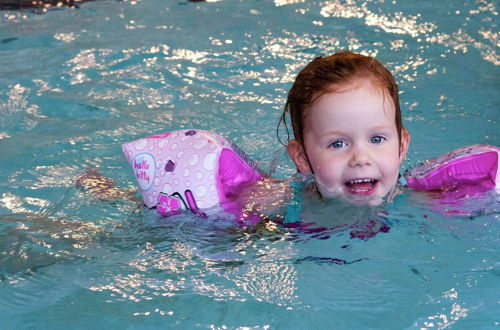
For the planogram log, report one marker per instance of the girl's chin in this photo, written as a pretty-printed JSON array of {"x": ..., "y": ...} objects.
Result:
[
  {"x": 358, "y": 199},
  {"x": 363, "y": 200}
]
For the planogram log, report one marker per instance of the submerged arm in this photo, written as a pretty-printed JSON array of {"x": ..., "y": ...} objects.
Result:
[
  {"x": 102, "y": 187},
  {"x": 266, "y": 197}
]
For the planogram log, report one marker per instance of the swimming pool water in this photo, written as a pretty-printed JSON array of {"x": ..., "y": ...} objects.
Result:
[{"x": 77, "y": 83}]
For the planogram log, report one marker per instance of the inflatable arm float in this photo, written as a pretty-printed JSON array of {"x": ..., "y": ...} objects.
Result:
[
  {"x": 190, "y": 170},
  {"x": 467, "y": 170}
]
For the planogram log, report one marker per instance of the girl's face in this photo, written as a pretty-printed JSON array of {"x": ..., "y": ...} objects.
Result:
[{"x": 351, "y": 144}]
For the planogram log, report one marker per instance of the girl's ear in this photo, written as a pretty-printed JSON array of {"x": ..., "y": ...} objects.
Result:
[
  {"x": 405, "y": 143},
  {"x": 297, "y": 153}
]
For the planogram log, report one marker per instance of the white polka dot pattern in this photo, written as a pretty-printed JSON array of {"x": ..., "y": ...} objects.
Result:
[
  {"x": 193, "y": 157},
  {"x": 179, "y": 169}
]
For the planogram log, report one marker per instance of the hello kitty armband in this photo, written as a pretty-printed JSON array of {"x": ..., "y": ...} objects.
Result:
[
  {"x": 190, "y": 170},
  {"x": 468, "y": 170}
]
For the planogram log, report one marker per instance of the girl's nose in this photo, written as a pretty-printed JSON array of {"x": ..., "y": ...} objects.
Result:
[{"x": 359, "y": 157}]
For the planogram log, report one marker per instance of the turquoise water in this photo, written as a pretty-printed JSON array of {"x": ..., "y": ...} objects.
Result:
[{"x": 77, "y": 83}]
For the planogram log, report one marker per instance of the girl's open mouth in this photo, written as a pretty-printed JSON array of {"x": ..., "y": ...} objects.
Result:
[{"x": 361, "y": 186}]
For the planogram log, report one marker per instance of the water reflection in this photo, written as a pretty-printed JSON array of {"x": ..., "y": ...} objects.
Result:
[{"x": 167, "y": 66}]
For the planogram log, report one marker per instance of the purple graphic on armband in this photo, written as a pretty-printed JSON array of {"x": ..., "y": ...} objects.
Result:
[
  {"x": 191, "y": 201},
  {"x": 168, "y": 205},
  {"x": 170, "y": 167},
  {"x": 190, "y": 132}
]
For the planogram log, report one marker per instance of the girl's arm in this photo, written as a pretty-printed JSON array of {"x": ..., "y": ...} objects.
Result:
[
  {"x": 266, "y": 197},
  {"x": 102, "y": 187}
]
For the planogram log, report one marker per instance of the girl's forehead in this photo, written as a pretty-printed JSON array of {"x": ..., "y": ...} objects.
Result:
[
  {"x": 368, "y": 83},
  {"x": 361, "y": 104},
  {"x": 364, "y": 93}
]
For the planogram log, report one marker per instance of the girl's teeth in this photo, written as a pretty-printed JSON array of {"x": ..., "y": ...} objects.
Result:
[
  {"x": 361, "y": 186},
  {"x": 360, "y": 181}
]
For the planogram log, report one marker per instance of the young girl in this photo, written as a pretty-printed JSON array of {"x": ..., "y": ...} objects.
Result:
[
  {"x": 348, "y": 131},
  {"x": 347, "y": 125},
  {"x": 348, "y": 136}
]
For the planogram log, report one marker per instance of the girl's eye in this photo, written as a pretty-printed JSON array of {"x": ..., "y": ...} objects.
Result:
[
  {"x": 337, "y": 144},
  {"x": 377, "y": 139}
]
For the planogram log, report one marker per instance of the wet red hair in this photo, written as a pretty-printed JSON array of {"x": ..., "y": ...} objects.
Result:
[{"x": 326, "y": 75}]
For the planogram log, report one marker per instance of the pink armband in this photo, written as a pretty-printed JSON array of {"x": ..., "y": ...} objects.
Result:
[
  {"x": 190, "y": 170},
  {"x": 469, "y": 170}
]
